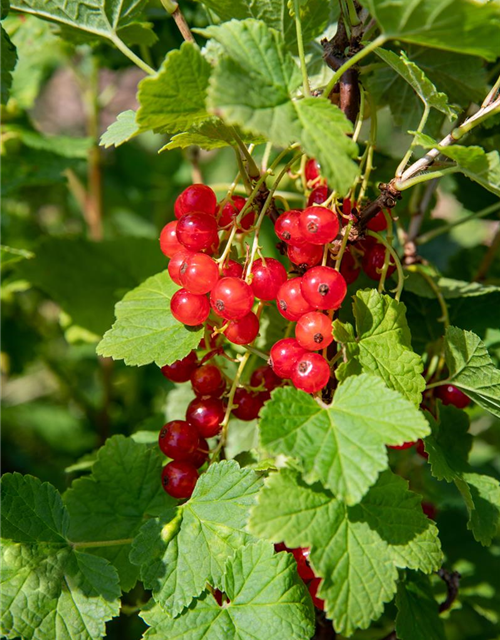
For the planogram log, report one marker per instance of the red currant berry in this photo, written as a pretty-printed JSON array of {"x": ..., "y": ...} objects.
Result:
[
  {"x": 307, "y": 255},
  {"x": 348, "y": 268},
  {"x": 318, "y": 195},
  {"x": 231, "y": 298},
  {"x": 378, "y": 222},
  {"x": 247, "y": 404},
  {"x": 311, "y": 372},
  {"x": 313, "y": 590},
  {"x": 280, "y": 546},
  {"x": 400, "y": 447},
  {"x": 213, "y": 248},
  {"x": 244, "y": 330},
  {"x": 199, "y": 273},
  {"x": 287, "y": 227},
  {"x": 284, "y": 355},
  {"x": 303, "y": 569},
  {"x": 267, "y": 278},
  {"x": 318, "y": 225},
  {"x": 207, "y": 380},
  {"x": 169, "y": 244},
  {"x": 290, "y": 301},
  {"x": 181, "y": 370},
  {"x": 198, "y": 198},
  {"x": 175, "y": 264},
  {"x": 206, "y": 414},
  {"x": 179, "y": 479},
  {"x": 196, "y": 231},
  {"x": 373, "y": 261},
  {"x": 200, "y": 456},
  {"x": 421, "y": 449},
  {"x": 178, "y": 440},
  {"x": 429, "y": 509},
  {"x": 230, "y": 210},
  {"x": 448, "y": 394},
  {"x": 232, "y": 269},
  {"x": 189, "y": 308},
  {"x": 311, "y": 170},
  {"x": 323, "y": 288},
  {"x": 264, "y": 377},
  {"x": 314, "y": 331}
]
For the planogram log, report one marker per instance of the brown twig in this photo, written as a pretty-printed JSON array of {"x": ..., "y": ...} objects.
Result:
[
  {"x": 182, "y": 25},
  {"x": 452, "y": 581}
]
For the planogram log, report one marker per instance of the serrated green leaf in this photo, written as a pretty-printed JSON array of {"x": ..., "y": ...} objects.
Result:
[
  {"x": 122, "y": 130},
  {"x": 210, "y": 134},
  {"x": 448, "y": 448},
  {"x": 145, "y": 331},
  {"x": 418, "y": 81},
  {"x": 467, "y": 27},
  {"x": 418, "y": 612},
  {"x": 267, "y": 600},
  {"x": 65, "y": 146},
  {"x": 343, "y": 444},
  {"x": 9, "y": 59},
  {"x": 96, "y": 18},
  {"x": 382, "y": 345},
  {"x": 49, "y": 589},
  {"x": 449, "y": 287},
  {"x": 356, "y": 550},
  {"x": 112, "y": 503},
  {"x": 181, "y": 551},
  {"x": 471, "y": 369},
  {"x": 174, "y": 99}
]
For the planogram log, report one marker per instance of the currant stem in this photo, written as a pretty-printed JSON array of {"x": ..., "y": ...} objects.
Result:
[
  {"x": 300, "y": 46},
  {"x": 399, "y": 268},
  {"x": 445, "y": 318},
  {"x": 257, "y": 352},
  {"x": 387, "y": 257},
  {"x": 402, "y": 184},
  {"x": 102, "y": 543},
  {"x": 409, "y": 153},
  {"x": 119, "y": 44}
]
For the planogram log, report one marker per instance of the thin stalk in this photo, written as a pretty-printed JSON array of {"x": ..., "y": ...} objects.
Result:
[
  {"x": 253, "y": 169},
  {"x": 172, "y": 8},
  {"x": 409, "y": 153},
  {"x": 387, "y": 257},
  {"x": 372, "y": 140},
  {"x": 338, "y": 259},
  {"x": 378, "y": 42},
  {"x": 430, "y": 235},
  {"x": 300, "y": 46},
  {"x": 266, "y": 155},
  {"x": 491, "y": 95},
  {"x": 101, "y": 543},
  {"x": 353, "y": 16},
  {"x": 243, "y": 172},
  {"x": 119, "y": 44},
  {"x": 94, "y": 196},
  {"x": 445, "y": 318},
  {"x": 361, "y": 115},
  {"x": 399, "y": 268},
  {"x": 402, "y": 184},
  {"x": 257, "y": 352}
]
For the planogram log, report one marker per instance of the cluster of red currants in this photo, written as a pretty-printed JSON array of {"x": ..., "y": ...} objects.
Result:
[{"x": 305, "y": 571}]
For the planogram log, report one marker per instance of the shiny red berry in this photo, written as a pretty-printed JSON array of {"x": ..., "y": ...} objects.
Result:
[
  {"x": 198, "y": 273},
  {"x": 232, "y": 269},
  {"x": 307, "y": 255},
  {"x": 175, "y": 264},
  {"x": 248, "y": 404},
  {"x": 323, "y": 288},
  {"x": 179, "y": 479},
  {"x": 318, "y": 225},
  {"x": 373, "y": 261},
  {"x": 196, "y": 231},
  {"x": 378, "y": 222},
  {"x": 284, "y": 355},
  {"x": 318, "y": 195},
  {"x": 312, "y": 170},
  {"x": 179, "y": 440},
  {"x": 429, "y": 509},
  {"x": 231, "y": 210},
  {"x": 311, "y": 372},
  {"x": 448, "y": 394},
  {"x": 290, "y": 301},
  {"x": 207, "y": 380},
  {"x": 348, "y": 268},
  {"x": 264, "y": 377},
  {"x": 206, "y": 414},
  {"x": 421, "y": 449},
  {"x": 198, "y": 198},
  {"x": 401, "y": 447},
  {"x": 244, "y": 330},
  {"x": 313, "y": 590},
  {"x": 267, "y": 278},
  {"x": 314, "y": 331},
  {"x": 181, "y": 370},
  {"x": 231, "y": 298},
  {"x": 303, "y": 569},
  {"x": 287, "y": 227},
  {"x": 189, "y": 308},
  {"x": 200, "y": 456},
  {"x": 169, "y": 244}
]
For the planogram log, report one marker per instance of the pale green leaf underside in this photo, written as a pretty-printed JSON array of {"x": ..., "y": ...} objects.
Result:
[
  {"x": 122, "y": 130},
  {"x": 212, "y": 133},
  {"x": 145, "y": 331},
  {"x": 267, "y": 600},
  {"x": 343, "y": 445},
  {"x": 418, "y": 612},
  {"x": 178, "y": 557},
  {"x": 449, "y": 287},
  {"x": 382, "y": 345},
  {"x": 355, "y": 549}
]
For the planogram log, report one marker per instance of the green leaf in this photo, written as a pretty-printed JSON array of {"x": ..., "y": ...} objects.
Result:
[
  {"x": 112, "y": 503},
  {"x": 145, "y": 331},
  {"x": 343, "y": 444},
  {"x": 448, "y": 448},
  {"x": 267, "y": 600},
  {"x": 122, "y": 130},
  {"x": 418, "y": 81},
  {"x": 210, "y": 134},
  {"x": 48, "y": 588},
  {"x": 174, "y": 99},
  {"x": 110, "y": 19},
  {"x": 11, "y": 255},
  {"x": 65, "y": 146},
  {"x": 356, "y": 550},
  {"x": 254, "y": 86},
  {"x": 181, "y": 551},
  {"x": 381, "y": 345},
  {"x": 471, "y": 369},
  {"x": 111, "y": 267},
  {"x": 9, "y": 59},
  {"x": 418, "y": 612},
  {"x": 450, "y": 288},
  {"x": 466, "y": 27}
]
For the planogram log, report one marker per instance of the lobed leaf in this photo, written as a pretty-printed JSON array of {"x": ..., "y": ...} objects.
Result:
[
  {"x": 122, "y": 130},
  {"x": 418, "y": 611}
]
